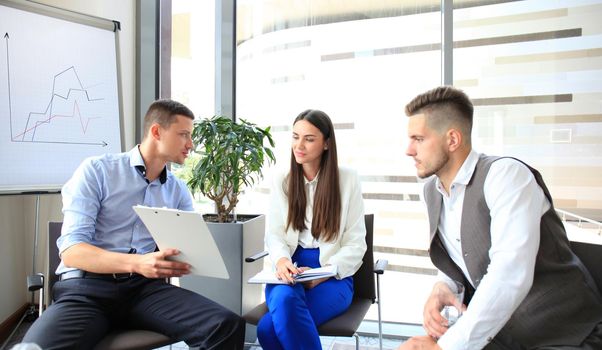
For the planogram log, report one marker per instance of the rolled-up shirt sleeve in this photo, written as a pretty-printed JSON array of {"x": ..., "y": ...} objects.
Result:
[{"x": 81, "y": 202}]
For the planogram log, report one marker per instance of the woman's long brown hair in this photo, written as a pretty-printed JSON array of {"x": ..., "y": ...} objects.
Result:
[{"x": 326, "y": 219}]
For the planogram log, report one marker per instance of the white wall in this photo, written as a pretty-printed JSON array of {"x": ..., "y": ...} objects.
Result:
[
  {"x": 17, "y": 213},
  {"x": 12, "y": 268}
]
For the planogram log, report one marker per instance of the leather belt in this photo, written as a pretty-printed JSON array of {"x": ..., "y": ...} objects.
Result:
[{"x": 103, "y": 276}]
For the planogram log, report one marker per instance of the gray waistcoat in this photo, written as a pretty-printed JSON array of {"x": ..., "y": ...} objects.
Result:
[{"x": 563, "y": 305}]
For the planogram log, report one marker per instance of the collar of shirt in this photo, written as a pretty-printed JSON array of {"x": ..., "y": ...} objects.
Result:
[
  {"x": 137, "y": 162},
  {"x": 312, "y": 182},
  {"x": 463, "y": 176}
]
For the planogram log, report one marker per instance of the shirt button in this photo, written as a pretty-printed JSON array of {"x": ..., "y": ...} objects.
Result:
[{"x": 465, "y": 254}]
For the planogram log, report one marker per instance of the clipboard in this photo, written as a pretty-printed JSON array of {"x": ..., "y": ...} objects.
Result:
[{"x": 187, "y": 232}]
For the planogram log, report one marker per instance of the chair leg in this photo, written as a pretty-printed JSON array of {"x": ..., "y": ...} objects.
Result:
[
  {"x": 252, "y": 345},
  {"x": 357, "y": 341},
  {"x": 41, "y": 302},
  {"x": 380, "y": 327}
]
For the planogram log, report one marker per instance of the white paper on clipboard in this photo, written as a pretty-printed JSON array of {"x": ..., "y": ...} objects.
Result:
[{"x": 187, "y": 232}]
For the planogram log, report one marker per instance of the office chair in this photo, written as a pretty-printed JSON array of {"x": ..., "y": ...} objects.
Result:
[
  {"x": 117, "y": 339},
  {"x": 364, "y": 295},
  {"x": 590, "y": 254}
]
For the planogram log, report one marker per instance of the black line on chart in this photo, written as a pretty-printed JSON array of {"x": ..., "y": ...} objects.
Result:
[
  {"x": 49, "y": 108},
  {"x": 6, "y": 37}
]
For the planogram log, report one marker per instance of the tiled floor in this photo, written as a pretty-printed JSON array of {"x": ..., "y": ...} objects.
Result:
[
  {"x": 396, "y": 332},
  {"x": 328, "y": 343}
]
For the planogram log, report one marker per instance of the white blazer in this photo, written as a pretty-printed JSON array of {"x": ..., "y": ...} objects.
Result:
[{"x": 347, "y": 251}]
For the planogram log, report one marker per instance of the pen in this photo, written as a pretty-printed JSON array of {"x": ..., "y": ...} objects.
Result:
[{"x": 295, "y": 265}]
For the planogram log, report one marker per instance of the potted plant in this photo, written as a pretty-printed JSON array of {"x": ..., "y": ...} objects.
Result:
[
  {"x": 228, "y": 157},
  {"x": 232, "y": 157}
]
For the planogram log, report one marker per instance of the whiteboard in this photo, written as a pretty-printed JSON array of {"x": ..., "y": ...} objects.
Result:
[{"x": 59, "y": 94}]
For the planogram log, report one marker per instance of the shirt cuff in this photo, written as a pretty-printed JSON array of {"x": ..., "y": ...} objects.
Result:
[
  {"x": 277, "y": 256},
  {"x": 450, "y": 342}
]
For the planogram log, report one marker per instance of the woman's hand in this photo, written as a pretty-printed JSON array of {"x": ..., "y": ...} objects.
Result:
[{"x": 285, "y": 269}]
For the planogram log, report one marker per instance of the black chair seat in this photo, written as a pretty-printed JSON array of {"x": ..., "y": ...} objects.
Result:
[
  {"x": 136, "y": 339},
  {"x": 256, "y": 313},
  {"x": 349, "y": 322},
  {"x": 344, "y": 325}
]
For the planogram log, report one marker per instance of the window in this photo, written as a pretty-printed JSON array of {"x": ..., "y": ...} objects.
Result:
[
  {"x": 193, "y": 55},
  {"x": 193, "y": 66},
  {"x": 533, "y": 69},
  {"x": 361, "y": 64},
  {"x": 537, "y": 89}
]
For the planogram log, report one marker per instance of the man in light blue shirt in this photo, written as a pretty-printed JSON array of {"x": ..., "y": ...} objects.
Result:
[{"x": 111, "y": 273}]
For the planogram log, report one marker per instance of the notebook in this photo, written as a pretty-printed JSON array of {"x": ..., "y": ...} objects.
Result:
[
  {"x": 187, "y": 232},
  {"x": 269, "y": 277}
]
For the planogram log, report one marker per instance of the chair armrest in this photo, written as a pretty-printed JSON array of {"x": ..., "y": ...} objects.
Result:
[
  {"x": 257, "y": 256},
  {"x": 380, "y": 266},
  {"x": 35, "y": 282}
]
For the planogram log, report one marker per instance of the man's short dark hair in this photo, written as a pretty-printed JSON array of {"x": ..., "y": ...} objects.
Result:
[
  {"x": 164, "y": 112},
  {"x": 444, "y": 106}
]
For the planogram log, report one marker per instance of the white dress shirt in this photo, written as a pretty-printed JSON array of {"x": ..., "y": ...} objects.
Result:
[
  {"x": 346, "y": 251},
  {"x": 516, "y": 204},
  {"x": 306, "y": 239}
]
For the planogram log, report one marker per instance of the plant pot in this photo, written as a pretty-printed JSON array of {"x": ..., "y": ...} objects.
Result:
[{"x": 235, "y": 241}]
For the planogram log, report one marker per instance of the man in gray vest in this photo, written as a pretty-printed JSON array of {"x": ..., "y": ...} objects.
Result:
[{"x": 493, "y": 228}]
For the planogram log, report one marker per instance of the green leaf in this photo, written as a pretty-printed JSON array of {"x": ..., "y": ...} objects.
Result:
[{"x": 228, "y": 157}]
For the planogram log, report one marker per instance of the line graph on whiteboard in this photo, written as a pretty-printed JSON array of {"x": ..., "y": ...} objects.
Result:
[
  {"x": 69, "y": 114},
  {"x": 60, "y": 94}
]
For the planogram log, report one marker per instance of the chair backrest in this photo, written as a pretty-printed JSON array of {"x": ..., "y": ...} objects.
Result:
[
  {"x": 54, "y": 231},
  {"x": 363, "y": 280},
  {"x": 590, "y": 254}
]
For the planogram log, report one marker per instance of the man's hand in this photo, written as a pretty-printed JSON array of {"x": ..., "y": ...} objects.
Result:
[
  {"x": 285, "y": 269},
  {"x": 419, "y": 343},
  {"x": 435, "y": 324},
  {"x": 156, "y": 265}
]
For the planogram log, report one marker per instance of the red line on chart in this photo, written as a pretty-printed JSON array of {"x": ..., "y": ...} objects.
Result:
[
  {"x": 48, "y": 112},
  {"x": 76, "y": 112},
  {"x": 78, "y": 87}
]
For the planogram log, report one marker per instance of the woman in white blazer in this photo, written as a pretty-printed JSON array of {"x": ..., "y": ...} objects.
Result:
[{"x": 316, "y": 219}]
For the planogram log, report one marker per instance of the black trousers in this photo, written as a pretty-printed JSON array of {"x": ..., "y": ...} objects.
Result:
[{"x": 86, "y": 309}]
